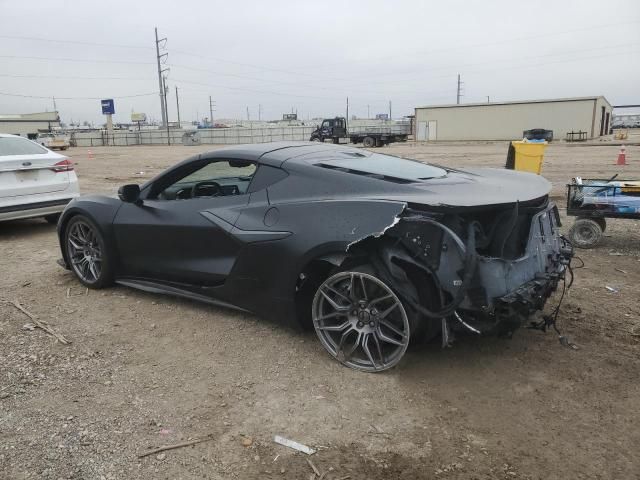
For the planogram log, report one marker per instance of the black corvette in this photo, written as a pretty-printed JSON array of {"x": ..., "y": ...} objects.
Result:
[{"x": 371, "y": 250}]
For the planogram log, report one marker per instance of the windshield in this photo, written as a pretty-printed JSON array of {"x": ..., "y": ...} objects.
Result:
[
  {"x": 385, "y": 166},
  {"x": 19, "y": 146}
]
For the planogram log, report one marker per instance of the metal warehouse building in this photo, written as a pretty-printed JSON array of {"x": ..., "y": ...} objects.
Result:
[
  {"x": 507, "y": 120},
  {"x": 29, "y": 124}
]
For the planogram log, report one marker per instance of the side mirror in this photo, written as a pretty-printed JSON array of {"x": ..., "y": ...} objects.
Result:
[{"x": 129, "y": 193}]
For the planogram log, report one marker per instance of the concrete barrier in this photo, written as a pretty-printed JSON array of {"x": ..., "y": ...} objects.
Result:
[{"x": 212, "y": 136}]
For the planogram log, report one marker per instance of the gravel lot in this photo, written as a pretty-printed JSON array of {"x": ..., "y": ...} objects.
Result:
[{"x": 145, "y": 370}]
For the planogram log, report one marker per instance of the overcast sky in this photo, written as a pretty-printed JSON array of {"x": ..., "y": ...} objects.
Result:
[{"x": 310, "y": 55}]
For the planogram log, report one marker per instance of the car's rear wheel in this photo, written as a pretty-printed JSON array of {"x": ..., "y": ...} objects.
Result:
[
  {"x": 87, "y": 253},
  {"x": 585, "y": 233},
  {"x": 360, "y": 320}
]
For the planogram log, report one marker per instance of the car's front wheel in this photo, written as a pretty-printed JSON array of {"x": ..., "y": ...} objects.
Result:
[
  {"x": 87, "y": 253},
  {"x": 360, "y": 320}
]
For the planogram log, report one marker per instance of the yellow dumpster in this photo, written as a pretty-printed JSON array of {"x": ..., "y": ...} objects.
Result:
[{"x": 526, "y": 156}]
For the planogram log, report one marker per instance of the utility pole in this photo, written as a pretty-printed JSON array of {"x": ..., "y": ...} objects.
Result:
[
  {"x": 347, "y": 109},
  {"x": 458, "y": 92},
  {"x": 55, "y": 108},
  {"x": 368, "y": 113},
  {"x": 165, "y": 91},
  {"x": 248, "y": 118},
  {"x": 212, "y": 104},
  {"x": 160, "y": 82},
  {"x": 166, "y": 108},
  {"x": 488, "y": 99},
  {"x": 178, "y": 107},
  {"x": 389, "y": 109},
  {"x": 259, "y": 112}
]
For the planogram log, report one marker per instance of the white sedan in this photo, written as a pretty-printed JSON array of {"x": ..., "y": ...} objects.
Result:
[{"x": 34, "y": 181}]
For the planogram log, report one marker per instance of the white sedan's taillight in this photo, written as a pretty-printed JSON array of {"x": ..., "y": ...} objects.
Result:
[{"x": 63, "y": 166}]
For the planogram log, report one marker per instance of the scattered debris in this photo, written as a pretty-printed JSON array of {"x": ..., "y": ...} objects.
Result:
[
  {"x": 41, "y": 324},
  {"x": 611, "y": 289},
  {"x": 177, "y": 445},
  {"x": 247, "y": 441},
  {"x": 276, "y": 457},
  {"x": 293, "y": 444},
  {"x": 620, "y": 270},
  {"x": 69, "y": 294},
  {"x": 6, "y": 387},
  {"x": 161, "y": 456},
  {"x": 29, "y": 326},
  {"x": 313, "y": 467}
]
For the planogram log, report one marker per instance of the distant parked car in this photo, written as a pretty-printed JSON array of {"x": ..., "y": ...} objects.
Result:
[
  {"x": 34, "y": 181},
  {"x": 53, "y": 141},
  {"x": 538, "y": 134}
]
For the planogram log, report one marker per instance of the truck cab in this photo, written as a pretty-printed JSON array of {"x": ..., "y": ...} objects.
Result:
[{"x": 330, "y": 128}]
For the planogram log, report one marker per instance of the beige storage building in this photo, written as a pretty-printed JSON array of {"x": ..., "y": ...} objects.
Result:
[
  {"x": 507, "y": 120},
  {"x": 29, "y": 124}
]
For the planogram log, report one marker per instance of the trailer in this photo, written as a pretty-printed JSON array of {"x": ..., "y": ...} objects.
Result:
[
  {"x": 594, "y": 200},
  {"x": 336, "y": 129}
]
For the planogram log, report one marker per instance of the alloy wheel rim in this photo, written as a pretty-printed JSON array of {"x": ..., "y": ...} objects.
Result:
[
  {"x": 85, "y": 251},
  {"x": 360, "y": 321}
]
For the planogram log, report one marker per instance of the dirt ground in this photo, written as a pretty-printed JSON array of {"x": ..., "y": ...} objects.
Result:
[{"x": 145, "y": 370}]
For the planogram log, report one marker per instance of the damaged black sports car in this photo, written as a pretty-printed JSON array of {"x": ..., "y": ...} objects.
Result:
[{"x": 371, "y": 250}]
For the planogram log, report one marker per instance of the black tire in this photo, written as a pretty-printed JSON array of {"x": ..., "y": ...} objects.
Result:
[
  {"x": 53, "y": 218},
  {"x": 601, "y": 221},
  {"x": 88, "y": 255},
  {"x": 585, "y": 233},
  {"x": 369, "y": 142},
  {"x": 315, "y": 139},
  {"x": 356, "y": 302}
]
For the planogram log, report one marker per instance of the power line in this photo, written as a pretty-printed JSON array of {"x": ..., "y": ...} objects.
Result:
[
  {"x": 252, "y": 90},
  {"x": 76, "y": 98},
  {"x": 466, "y": 65},
  {"x": 259, "y": 67},
  {"x": 93, "y": 44},
  {"x": 77, "y": 60},
  {"x": 64, "y": 77},
  {"x": 498, "y": 42}
]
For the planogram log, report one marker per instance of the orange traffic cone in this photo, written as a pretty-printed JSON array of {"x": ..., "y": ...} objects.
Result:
[
  {"x": 622, "y": 157},
  {"x": 90, "y": 154}
]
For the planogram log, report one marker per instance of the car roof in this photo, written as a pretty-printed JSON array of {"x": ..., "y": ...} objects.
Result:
[{"x": 273, "y": 153}]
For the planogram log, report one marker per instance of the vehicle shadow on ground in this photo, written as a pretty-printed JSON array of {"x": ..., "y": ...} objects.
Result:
[
  {"x": 211, "y": 309},
  {"x": 25, "y": 227}
]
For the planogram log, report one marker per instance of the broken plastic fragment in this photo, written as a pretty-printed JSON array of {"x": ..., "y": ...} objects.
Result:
[{"x": 293, "y": 444}]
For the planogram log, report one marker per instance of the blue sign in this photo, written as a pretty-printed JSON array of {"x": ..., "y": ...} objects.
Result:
[
  {"x": 107, "y": 106},
  {"x": 382, "y": 116}
]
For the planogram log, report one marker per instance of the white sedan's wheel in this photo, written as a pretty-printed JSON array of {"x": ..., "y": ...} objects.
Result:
[{"x": 360, "y": 321}]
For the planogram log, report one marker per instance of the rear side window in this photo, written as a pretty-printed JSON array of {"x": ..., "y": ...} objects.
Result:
[
  {"x": 19, "y": 146},
  {"x": 385, "y": 167}
]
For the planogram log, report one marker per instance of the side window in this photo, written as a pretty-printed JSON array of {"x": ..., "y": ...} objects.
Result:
[
  {"x": 214, "y": 179},
  {"x": 326, "y": 124}
]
